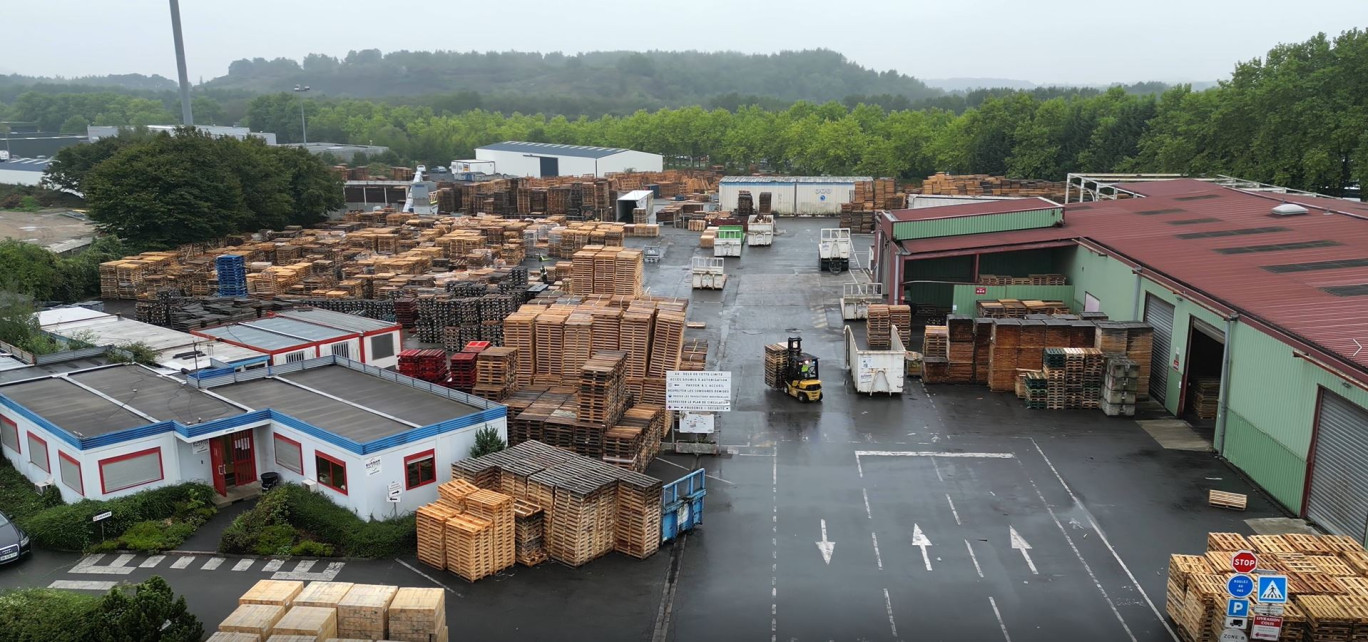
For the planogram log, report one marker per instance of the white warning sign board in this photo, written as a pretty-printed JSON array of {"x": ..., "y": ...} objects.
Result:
[{"x": 704, "y": 391}]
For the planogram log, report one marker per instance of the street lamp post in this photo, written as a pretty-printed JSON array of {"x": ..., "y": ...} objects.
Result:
[{"x": 303, "y": 126}]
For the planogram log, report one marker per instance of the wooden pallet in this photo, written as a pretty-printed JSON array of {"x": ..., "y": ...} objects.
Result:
[
  {"x": 313, "y": 623},
  {"x": 272, "y": 592},
  {"x": 1227, "y": 542},
  {"x": 431, "y": 528},
  {"x": 1271, "y": 544},
  {"x": 415, "y": 614},
  {"x": 363, "y": 613},
  {"x": 1222, "y": 499},
  {"x": 323, "y": 594},
  {"x": 256, "y": 619}
]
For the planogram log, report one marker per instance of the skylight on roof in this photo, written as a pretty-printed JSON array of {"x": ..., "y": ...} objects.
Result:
[
  {"x": 1276, "y": 247},
  {"x": 1241, "y": 232},
  {"x": 1360, "y": 289},
  {"x": 1338, "y": 264}
]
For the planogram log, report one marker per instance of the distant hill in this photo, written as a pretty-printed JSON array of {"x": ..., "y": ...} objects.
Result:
[
  {"x": 968, "y": 84},
  {"x": 136, "y": 82},
  {"x": 663, "y": 78}
]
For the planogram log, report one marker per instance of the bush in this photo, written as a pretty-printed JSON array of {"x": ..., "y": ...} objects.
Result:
[
  {"x": 292, "y": 520},
  {"x": 47, "y": 615},
  {"x": 152, "y": 536},
  {"x": 487, "y": 440},
  {"x": 17, "y": 496},
  {"x": 69, "y": 527}
]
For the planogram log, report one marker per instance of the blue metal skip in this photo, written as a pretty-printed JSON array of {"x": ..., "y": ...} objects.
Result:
[{"x": 682, "y": 505}]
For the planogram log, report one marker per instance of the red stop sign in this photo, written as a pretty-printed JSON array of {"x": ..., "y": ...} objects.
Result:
[{"x": 1244, "y": 562}]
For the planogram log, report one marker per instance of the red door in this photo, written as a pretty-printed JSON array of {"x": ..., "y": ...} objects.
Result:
[
  {"x": 244, "y": 458},
  {"x": 216, "y": 460}
]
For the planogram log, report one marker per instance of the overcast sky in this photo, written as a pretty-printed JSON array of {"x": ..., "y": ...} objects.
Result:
[{"x": 1074, "y": 41}]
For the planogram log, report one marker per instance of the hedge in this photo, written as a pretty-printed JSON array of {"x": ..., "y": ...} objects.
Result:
[
  {"x": 313, "y": 520},
  {"x": 69, "y": 527},
  {"x": 17, "y": 498},
  {"x": 48, "y": 615},
  {"x": 146, "y": 612}
]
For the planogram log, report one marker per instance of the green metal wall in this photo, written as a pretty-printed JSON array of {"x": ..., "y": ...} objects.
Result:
[
  {"x": 1271, "y": 404},
  {"x": 960, "y": 225},
  {"x": 954, "y": 268},
  {"x": 1023, "y": 263},
  {"x": 965, "y": 296}
]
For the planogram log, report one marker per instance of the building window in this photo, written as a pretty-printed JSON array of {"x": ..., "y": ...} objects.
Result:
[
  {"x": 9, "y": 434},
  {"x": 38, "y": 454},
  {"x": 382, "y": 346},
  {"x": 71, "y": 472},
  {"x": 331, "y": 472},
  {"x": 133, "y": 469},
  {"x": 420, "y": 469},
  {"x": 295, "y": 357},
  {"x": 342, "y": 349},
  {"x": 288, "y": 454}
]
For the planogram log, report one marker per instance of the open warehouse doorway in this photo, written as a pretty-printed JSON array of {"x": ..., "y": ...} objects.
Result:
[{"x": 1202, "y": 378}]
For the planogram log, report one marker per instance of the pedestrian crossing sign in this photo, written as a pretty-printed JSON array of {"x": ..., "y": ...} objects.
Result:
[{"x": 1272, "y": 589}]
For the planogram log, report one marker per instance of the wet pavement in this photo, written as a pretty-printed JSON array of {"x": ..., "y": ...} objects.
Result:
[{"x": 949, "y": 513}]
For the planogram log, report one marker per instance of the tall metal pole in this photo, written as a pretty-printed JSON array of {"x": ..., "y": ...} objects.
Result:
[
  {"x": 187, "y": 118},
  {"x": 303, "y": 126}
]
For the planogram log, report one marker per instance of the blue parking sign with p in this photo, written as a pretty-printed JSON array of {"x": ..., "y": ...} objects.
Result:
[
  {"x": 1237, "y": 608},
  {"x": 1272, "y": 589}
]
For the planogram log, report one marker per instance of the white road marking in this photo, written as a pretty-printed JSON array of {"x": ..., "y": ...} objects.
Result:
[
  {"x": 152, "y": 562},
  {"x": 1019, "y": 543},
  {"x": 940, "y": 478},
  {"x": 977, "y": 568},
  {"x": 82, "y": 585},
  {"x": 953, "y": 511},
  {"x": 919, "y": 539},
  {"x": 1103, "y": 537},
  {"x": 122, "y": 560},
  {"x": 877, "y": 558},
  {"x": 1082, "y": 561},
  {"x": 932, "y": 453},
  {"x": 825, "y": 546},
  {"x": 888, "y": 605},
  {"x": 183, "y": 562},
  {"x": 998, "y": 614},
  {"x": 866, "y": 500},
  {"x": 273, "y": 566},
  {"x": 89, "y": 565},
  {"x": 213, "y": 563},
  {"x": 428, "y": 578},
  {"x": 243, "y": 565},
  {"x": 304, "y": 566}
]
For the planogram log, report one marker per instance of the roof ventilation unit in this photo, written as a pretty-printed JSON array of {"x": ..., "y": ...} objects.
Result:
[{"x": 1289, "y": 209}]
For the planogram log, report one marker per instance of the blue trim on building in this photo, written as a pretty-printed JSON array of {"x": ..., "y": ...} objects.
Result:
[{"x": 190, "y": 432}]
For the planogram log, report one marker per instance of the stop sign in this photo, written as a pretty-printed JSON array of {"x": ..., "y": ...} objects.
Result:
[{"x": 1244, "y": 562}]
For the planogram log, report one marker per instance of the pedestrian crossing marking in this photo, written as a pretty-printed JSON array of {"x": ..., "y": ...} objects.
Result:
[
  {"x": 152, "y": 562},
  {"x": 212, "y": 564},
  {"x": 273, "y": 566},
  {"x": 243, "y": 565},
  {"x": 183, "y": 562}
]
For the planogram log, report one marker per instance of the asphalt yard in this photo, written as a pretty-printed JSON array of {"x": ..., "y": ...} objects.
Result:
[{"x": 948, "y": 513}]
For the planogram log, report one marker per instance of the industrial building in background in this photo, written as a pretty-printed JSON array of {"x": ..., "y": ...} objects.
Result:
[
  {"x": 96, "y": 132},
  {"x": 544, "y": 160},
  {"x": 1258, "y": 300},
  {"x": 792, "y": 195}
]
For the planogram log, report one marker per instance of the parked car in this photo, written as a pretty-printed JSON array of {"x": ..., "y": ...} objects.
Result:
[{"x": 14, "y": 542}]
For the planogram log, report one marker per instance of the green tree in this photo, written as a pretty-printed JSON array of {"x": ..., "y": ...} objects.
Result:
[
  {"x": 29, "y": 270},
  {"x": 70, "y": 165},
  {"x": 487, "y": 440},
  {"x": 152, "y": 613}
]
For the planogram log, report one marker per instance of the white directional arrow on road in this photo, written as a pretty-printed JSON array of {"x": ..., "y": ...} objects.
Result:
[
  {"x": 919, "y": 540},
  {"x": 826, "y": 546},
  {"x": 1019, "y": 543}
]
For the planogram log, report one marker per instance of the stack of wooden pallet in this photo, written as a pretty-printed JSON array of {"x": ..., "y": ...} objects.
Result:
[
  {"x": 496, "y": 373},
  {"x": 959, "y": 348},
  {"x": 530, "y": 532},
  {"x": 602, "y": 390},
  {"x": 432, "y": 521},
  {"x": 1205, "y": 391},
  {"x": 667, "y": 343},
  {"x": 900, "y": 317},
  {"x": 1119, "y": 386},
  {"x": 878, "y": 328},
  {"x": 307, "y": 624},
  {"x": 323, "y": 594},
  {"x": 983, "y": 346},
  {"x": 469, "y": 552},
  {"x": 272, "y": 593},
  {"x": 776, "y": 364},
  {"x": 986, "y": 185},
  {"x": 253, "y": 619},
  {"x": 363, "y": 612},
  {"x": 497, "y": 509},
  {"x": 418, "y": 615}
]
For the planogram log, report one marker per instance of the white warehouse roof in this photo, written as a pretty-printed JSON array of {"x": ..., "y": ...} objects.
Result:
[
  {"x": 175, "y": 350},
  {"x": 552, "y": 149}
]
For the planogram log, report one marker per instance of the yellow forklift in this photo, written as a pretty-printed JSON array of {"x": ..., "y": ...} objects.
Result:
[{"x": 801, "y": 379}]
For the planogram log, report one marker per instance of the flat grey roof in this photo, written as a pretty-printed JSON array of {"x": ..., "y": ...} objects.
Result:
[
  {"x": 342, "y": 321},
  {"x": 22, "y": 372},
  {"x": 293, "y": 328},
  {"x": 249, "y": 336},
  {"x": 329, "y": 414},
  {"x": 552, "y": 149},
  {"x": 396, "y": 400},
  {"x": 71, "y": 407},
  {"x": 161, "y": 397}
]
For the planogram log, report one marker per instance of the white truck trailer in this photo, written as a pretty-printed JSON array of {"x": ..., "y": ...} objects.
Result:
[
  {"x": 876, "y": 371},
  {"x": 833, "y": 250},
  {"x": 706, "y": 273},
  {"x": 760, "y": 230}
]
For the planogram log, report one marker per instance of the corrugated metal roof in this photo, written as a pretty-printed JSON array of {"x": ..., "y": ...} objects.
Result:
[
  {"x": 974, "y": 209},
  {"x": 252, "y": 337},
  {"x": 820, "y": 180},
  {"x": 338, "y": 320},
  {"x": 1291, "y": 302},
  {"x": 553, "y": 149},
  {"x": 300, "y": 329}
]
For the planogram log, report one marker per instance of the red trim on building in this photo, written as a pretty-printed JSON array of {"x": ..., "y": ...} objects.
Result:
[
  {"x": 292, "y": 442},
  {"x": 418, "y": 457},
  {"x": 161, "y": 468},
  {"x": 47, "y": 464},
  {"x": 339, "y": 462},
  {"x": 80, "y": 473}
]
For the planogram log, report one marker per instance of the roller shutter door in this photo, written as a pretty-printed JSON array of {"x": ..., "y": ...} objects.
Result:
[
  {"x": 1159, "y": 314},
  {"x": 1339, "y": 478}
]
